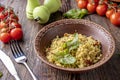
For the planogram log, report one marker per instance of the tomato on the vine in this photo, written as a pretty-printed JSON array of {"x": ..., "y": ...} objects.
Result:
[
  {"x": 91, "y": 7},
  {"x": 105, "y": 1},
  {"x": 4, "y": 30},
  {"x": 2, "y": 24},
  {"x": 11, "y": 18},
  {"x": 114, "y": 4},
  {"x": 82, "y": 4},
  {"x": 2, "y": 16},
  {"x": 9, "y": 25},
  {"x": 9, "y": 11},
  {"x": 16, "y": 25},
  {"x": 1, "y": 8},
  {"x": 5, "y": 37},
  {"x": 118, "y": 9},
  {"x": 16, "y": 33},
  {"x": 14, "y": 17},
  {"x": 115, "y": 18},
  {"x": 96, "y": 1},
  {"x": 101, "y": 9},
  {"x": 109, "y": 12}
]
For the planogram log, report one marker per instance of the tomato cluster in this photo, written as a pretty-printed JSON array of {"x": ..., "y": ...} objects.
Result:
[
  {"x": 103, "y": 8},
  {"x": 9, "y": 25}
]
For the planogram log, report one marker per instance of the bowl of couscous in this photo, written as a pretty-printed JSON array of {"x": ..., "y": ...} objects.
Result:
[{"x": 74, "y": 45}]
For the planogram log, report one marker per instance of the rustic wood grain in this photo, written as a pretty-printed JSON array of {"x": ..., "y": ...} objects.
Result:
[{"x": 109, "y": 71}]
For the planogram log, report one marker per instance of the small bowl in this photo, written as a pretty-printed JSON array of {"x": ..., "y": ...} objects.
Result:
[{"x": 85, "y": 27}]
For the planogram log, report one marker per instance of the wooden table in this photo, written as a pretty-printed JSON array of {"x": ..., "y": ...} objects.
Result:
[{"x": 109, "y": 71}]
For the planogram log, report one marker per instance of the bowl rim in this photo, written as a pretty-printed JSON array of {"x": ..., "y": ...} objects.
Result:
[{"x": 51, "y": 25}]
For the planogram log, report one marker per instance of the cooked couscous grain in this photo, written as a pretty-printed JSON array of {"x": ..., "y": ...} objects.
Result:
[{"x": 70, "y": 51}]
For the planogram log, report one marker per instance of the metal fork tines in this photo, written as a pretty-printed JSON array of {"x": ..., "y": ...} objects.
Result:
[{"x": 20, "y": 56}]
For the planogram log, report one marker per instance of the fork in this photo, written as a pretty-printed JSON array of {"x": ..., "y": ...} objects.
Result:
[{"x": 19, "y": 56}]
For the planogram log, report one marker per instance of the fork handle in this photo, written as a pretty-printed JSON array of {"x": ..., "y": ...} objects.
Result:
[
  {"x": 33, "y": 76},
  {"x": 16, "y": 77}
]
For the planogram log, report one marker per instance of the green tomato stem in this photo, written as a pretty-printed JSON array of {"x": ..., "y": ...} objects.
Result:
[{"x": 37, "y": 19}]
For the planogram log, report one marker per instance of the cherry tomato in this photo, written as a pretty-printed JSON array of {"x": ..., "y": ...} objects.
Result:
[
  {"x": 115, "y": 18},
  {"x": 16, "y": 25},
  {"x": 14, "y": 17},
  {"x": 101, "y": 9},
  {"x": 109, "y": 13},
  {"x": 91, "y": 7},
  {"x": 9, "y": 11},
  {"x": 5, "y": 37},
  {"x": 105, "y": 1},
  {"x": 91, "y": 1},
  {"x": 16, "y": 33},
  {"x": 118, "y": 10},
  {"x": 2, "y": 16},
  {"x": 9, "y": 20},
  {"x": 2, "y": 24},
  {"x": 4, "y": 30},
  {"x": 114, "y": 4},
  {"x": 1, "y": 8},
  {"x": 82, "y": 4}
]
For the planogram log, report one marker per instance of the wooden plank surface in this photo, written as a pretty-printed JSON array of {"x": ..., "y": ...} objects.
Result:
[{"x": 109, "y": 71}]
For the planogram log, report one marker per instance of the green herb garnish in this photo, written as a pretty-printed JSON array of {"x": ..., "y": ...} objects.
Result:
[
  {"x": 64, "y": 57},
  {"x": 73, "y": 44},
  {"x": 67, "y": 59}
]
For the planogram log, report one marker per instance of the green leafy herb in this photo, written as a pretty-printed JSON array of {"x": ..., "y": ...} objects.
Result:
[
  {"x": 83, "y": 13},
  {"x": 73, "y": 47},
  {"x": 76, "y": 13},
  {"x": 62, "y": 53},
  {"x": 67, "y": 59},
  {"x": 64, "y": 57},
  {"x": 1, "y": 74},
  {"x": 74, "y": 43}
]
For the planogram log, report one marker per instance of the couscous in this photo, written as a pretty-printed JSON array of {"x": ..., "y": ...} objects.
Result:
[{"x": 74, "y": 51}]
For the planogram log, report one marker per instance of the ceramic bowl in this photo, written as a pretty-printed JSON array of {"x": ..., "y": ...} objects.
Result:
[{"x": 85, "y": 27}]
